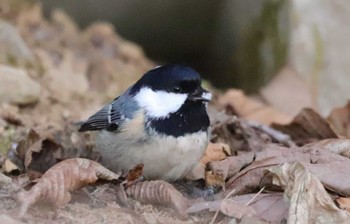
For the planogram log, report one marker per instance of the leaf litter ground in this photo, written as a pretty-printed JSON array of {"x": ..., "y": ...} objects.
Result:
[{"x": 262, "y": 165}]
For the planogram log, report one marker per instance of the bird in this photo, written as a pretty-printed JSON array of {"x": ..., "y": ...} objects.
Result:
[{"x": 161, "y": 121}]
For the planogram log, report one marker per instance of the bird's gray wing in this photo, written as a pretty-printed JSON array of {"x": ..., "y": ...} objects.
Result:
[{"x": 112, "y": 115}]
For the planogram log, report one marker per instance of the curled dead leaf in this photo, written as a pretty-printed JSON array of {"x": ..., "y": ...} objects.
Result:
[
  {"x": 134, "y": 174},
  {"x": 307, "y": 127},
  {"x": 238, "y": 134},
  {"x": 36, "y": 152},
  {"x": 236, "y": 209},
  {"x": 46, "y": 146},
  {"x": 159, "y": 192},
  {"x": 339, "y": 118},
  {"x": 232, "y": 165},
  {"x": 270, "y": 207},
  {"x": 309, "y": 201},
  {"x": 337, "y": 146},
  {"x": 344, "y": 203},
  {"x": 213, "y": 179},
  {"x": 252, "y": 109},
  {"x": 215, "y": 152},
  {"x": 64, "y": 177}
]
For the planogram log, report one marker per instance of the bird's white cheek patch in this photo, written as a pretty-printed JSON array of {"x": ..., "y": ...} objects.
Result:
[{"x": 159, "y": 104}]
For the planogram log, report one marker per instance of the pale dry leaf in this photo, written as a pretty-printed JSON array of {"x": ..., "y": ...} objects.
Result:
[
  {"x": 8, "y": 166},
  {"x": 232, "y": 165},
  {"x": 215, "y": 152},
  {"x": 249, "y": 178},
  {"x": 35, "y": 152},
  {"x": 337, "y": 146},
  {"x": 236, "y": 209},
  {"x": 159, "y": 192},
  {"x": 270, "y": 207},
  {"x": 238, "y": 134},
  {"x": 339, "y": 118},
  {"x": 57, "y": 183},
  {"x": 327, "y": 166},
  {"x": 213, "y": 179},
  {"x": 309, "y": 201},
  {"x": 344, "y": 203},
  {"x": 308, "y": 126},
  {"x": 252, "y": 109}
]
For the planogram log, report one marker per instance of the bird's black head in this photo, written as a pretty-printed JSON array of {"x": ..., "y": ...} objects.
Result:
[
  {"x": 173, "y": 99},
  {"x": 170, "y": 78}
]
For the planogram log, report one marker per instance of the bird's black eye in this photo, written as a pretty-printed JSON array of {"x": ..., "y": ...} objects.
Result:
[{"x": 176, "y": 89}]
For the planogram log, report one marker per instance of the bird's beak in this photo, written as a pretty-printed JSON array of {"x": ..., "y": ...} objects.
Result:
[{"x": 200, "y": 95}]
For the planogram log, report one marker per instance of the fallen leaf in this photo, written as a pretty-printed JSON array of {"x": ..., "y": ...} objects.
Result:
[
  {"x": 306, "y": 127},
  {"x": 251, "y": 109},
  {"x": 215, "y": 152},
  {"x": 238, "y": 134},
  {"x": 320, "y": 162},
  {"x": 337, "y": 146},
  {"x": 40, "y": 150},
  {"x": 35, "y": 153},
  {"x": 134, "y": 175},
  {"x": 236, "y": 209},
  {"x": 159, "y": 192},
  {"x": 8, "y": 166},
  {"x": 213, "y": 179},
  {"x": 344, "y": 203},
  {"x": 339, "y": 119},
  {"x": 64, "y": 177},
  {"x": 309, "y": 201},
  {"x": 232, "y": 165},
  {"x": 270, "y": 207}
]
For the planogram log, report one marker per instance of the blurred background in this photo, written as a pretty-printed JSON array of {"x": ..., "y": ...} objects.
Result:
[
  {"x": 233, "y": 43},
  {"x": 290, "y": 53}
]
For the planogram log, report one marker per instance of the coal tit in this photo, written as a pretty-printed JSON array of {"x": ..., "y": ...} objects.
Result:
[{"x": 160, "y": 121}]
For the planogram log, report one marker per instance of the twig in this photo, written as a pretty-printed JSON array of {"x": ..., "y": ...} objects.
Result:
[
  {"x": 256, "y": 195},
  {"x": 217, "y": 211}
]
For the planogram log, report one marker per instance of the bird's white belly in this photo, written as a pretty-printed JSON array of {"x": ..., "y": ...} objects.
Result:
[{"x": 167, "y": 158}]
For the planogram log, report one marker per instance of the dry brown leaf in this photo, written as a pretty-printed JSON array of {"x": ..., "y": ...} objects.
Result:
[
  {"x": 40, "y": 149},
  {"x": 337, "y": 146},
  {"x": 269, "y": 207},
  {"x": 134, "y": 174},
  {"x": 251, "y": 109},
  {"x": 309, "y": 201},
  {"x": 323, "y": 164},
  {"x": 8, "y": 166},
  {"x": 232, "y": 165},
  {"x": 238, "y": 134},
  {"x": 213, "y": 179},
  {"x": 339, "y": 118},
  {"x": 36, "y": 152},
  {"x": 215, "y": 152},
  {"x": 159, "y": 192},
  {"x": 250, "y": 177},
  {"x": 54, "y": 186},
  {"x": 235, "y": 209},
  {"x": 307, "y": 126},
  {"x": 344, "y": 203}
]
